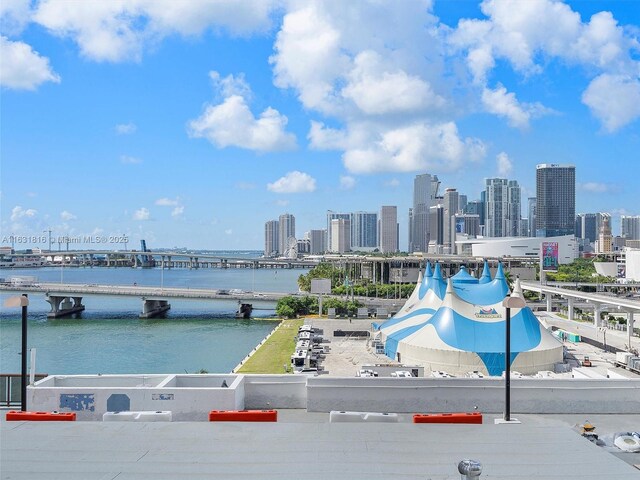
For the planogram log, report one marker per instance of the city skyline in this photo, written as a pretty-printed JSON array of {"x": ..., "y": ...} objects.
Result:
[{"x": 192, "y": 124}]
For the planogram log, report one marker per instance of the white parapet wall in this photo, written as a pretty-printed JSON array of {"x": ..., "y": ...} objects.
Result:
[
  {"x": 275, "y": 391},
  {"x": 415, "y": 395},
  {"x": 188, "y": 397},
  {"x": 191, "y": 397}
]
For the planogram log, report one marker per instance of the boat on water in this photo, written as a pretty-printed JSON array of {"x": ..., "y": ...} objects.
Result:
[{"x": 22, "y": 261}]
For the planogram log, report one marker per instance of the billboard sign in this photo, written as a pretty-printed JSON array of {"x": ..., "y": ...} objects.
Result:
[
  {"x": 549, "y": 252},
  {"x": 459, "y": 225},
  {"x": 321, "y": 285}
]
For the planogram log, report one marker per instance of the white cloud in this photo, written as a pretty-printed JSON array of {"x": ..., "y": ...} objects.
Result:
[
  {"x": 325, "y": 138},
  {"x": 505, "y": 165},
  {"x": 117, "y": 31},
  {"x": 347, "y": 182},
  {"x": 293, "y": 182},
  {"x": 14, "y": 15},
  {"x": 228, "y": 231},
  {"x": 126, "y": 128},
  {"x": 231, "y": 85},
  {"x": 128, "y": 160},
  {"x": 524, "y": 33},
  {"x": 231, "y": 123},
  {"x": 377, "y": 91},
  {"x": 18, "y": 212},
  {"x": 22, "y": 67},
  {"x": 281, "y": 202},
  {"x": 505, "y": 104},
  {"x": 141, "y": 214},
  {"x": 167, "y": 202},
  {"x": 67, "y": 216},
  {"x": 416, "y": 147},
  {"x": 177, "y": 211},
  {"x": 614, "y": 100}
]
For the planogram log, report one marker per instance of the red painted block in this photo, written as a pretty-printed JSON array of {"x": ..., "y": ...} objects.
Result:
[
  {"x": 243, "y": 416},
  {"x": 463, "y": 417},
  {"x": 15, "y": 416}
]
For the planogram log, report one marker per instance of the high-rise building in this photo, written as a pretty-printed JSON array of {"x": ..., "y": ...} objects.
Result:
[
  {"x": 555, "y": 199},
  {"x": 331, "y": 215},
  {"x": 524, "y": 227},
  {"x": 340, "y": 235},
  {"x": 462, "y": 202},
  {"x": 630, "y": 227},
  {"x": 476, "y": 207},
  {"x": 388, "y": 231},
  {"x": 286, "y": 231},
  {"x": 467, "y": 224},
  {"x": 497, "y": 206},
  {"x": 514, "y": 209},
  {"x": 532, "y": 216},
  {"x": 364, "y": 231},
  {"x": 450, "y": 205},
  {"x": 436, "y": 224},
  {"x": 317, "y": 241},
  {"x": 271, "y": 242},
  {"x": 605, "y": 239},
  {"x": 425, "y": 191},
  {"x": 587, "y": 227}
]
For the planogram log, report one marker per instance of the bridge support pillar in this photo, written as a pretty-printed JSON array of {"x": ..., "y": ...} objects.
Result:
[
  {"x": 168, "y": 261},
  {"x": 570, "y": 308},
  {"x": 244, "y": 310},
  {"x": 549, "y": 298},
  {"x": 61, "y": 306},
  {"x": 154, "y": 308},
  {"x": 597, "y": 311}
]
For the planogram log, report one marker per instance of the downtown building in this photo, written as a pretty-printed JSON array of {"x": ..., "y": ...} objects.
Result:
[
  {"x": 425, "y": 193},
  {"x": 388, "y": 229},
  {"x": 340, "y": 236},
  {"x": 271, "y": 239},
  {"x": 331, "y": 215},
  {"x": 630, "y": 227},
  {"x": 503, "y": 207},
  {"x": 317, "y": 241},
  {"x": 364, "y": 231},
  {"x": 555, "y": 199},
  {"x": 286, "y": 233}
]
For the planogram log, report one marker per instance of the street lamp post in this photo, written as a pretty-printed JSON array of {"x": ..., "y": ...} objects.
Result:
[
  {"x": 509, "y": 303},
  {"x": 22, "y": 301}
]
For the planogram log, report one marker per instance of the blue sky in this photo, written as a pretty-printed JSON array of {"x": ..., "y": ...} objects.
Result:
[{"x": 192, "y": 123}]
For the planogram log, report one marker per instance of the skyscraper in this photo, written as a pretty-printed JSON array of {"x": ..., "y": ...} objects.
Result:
[
  {"x": 555, "y": 199},
  {"x": 497, "y": 205},
  {"x": 317, "y": 241},
  {"x": 514, "y": 209},
  {"x": 271, "y": 243},
  {"x": 340, "y": 236},
  {"x": 450, "y": 204},
  {"x": 286, "y": 230},
  {"x": 364, "y": 230},
  {"x": 630, "y": 227},
  {"x": 587, "y": 227},
  {"x": 331, "y": 215},
  {"x": 425, "y": 191},
  {"x": 532, "y": 216},
  {"x": 388, "y": 231}
]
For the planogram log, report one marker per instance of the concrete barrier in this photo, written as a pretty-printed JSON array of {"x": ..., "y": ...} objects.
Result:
[
  {"x": 158, "y": 416},
  {"x": 362, "y": 417}
]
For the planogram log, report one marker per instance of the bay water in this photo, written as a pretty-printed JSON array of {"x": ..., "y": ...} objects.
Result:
[{"x": 108, "y": 337}]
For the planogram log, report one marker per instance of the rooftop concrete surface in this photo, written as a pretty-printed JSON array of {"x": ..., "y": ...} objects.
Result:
[{"x": 306, "y": 446}]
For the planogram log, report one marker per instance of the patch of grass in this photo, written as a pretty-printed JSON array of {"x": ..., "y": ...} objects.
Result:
[{"x": 276, "y": 351}]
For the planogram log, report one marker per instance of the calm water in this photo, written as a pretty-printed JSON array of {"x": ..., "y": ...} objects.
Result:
[{"x": 109, "y": 337}]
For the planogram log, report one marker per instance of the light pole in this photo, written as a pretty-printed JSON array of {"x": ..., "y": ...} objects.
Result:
[
  {"x": 509, "y": 303},
  {"x": 22, "y": 301}
]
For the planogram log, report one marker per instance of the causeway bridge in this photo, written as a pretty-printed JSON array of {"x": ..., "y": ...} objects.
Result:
[{"x": 66, "y": 298}]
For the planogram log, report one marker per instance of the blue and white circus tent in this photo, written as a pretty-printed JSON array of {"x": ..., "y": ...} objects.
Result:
[{"x": 458, "y": 326}]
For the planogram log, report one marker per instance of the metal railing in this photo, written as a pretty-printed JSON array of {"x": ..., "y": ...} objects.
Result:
[{"x": 10, "y": 388}]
